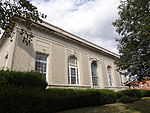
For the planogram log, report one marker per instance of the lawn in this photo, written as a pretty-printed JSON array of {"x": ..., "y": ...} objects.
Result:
[{"x": 142, "y": 106}]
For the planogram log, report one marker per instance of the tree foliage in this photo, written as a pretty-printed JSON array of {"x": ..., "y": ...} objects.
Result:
[
  {"x": 133, "y": 25},
  {"x": 19, "y": 8}
]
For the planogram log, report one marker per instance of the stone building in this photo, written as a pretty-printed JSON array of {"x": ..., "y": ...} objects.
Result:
[{"x": 65, "y": 59}]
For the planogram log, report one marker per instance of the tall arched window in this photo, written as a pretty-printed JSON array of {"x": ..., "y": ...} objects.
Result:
[
  {"x": 73, "y": 76},
  {"x": 94, "y": 73},
  {"x": 110, "y": 79}
]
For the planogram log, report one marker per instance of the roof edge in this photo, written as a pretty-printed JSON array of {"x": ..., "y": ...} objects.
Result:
[{"x": 66, "y": 33}]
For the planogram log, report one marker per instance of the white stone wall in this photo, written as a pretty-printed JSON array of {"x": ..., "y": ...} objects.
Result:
[
  {"x": 7, "y": 52},
  {"x": 58, "y": 51}
]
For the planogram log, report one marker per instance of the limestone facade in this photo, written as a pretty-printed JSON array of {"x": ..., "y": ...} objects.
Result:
[{"x": 94, "y": 65}]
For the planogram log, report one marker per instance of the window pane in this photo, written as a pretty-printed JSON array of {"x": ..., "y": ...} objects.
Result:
[
  {"x": 110, "y": 80},
  {"x": 73, "y": 80},
  {"x": 72, "y": 60},
  {"x": 73, "y": 76},
  {"x": 77, "y": 77},
  {"x": 41, "y": 63},
  {"x": 94, "y": 68},
  {"x": 95, "y": 79},
  {"x": 44, "y": 67},
  {"x": 73, "y": 73}
]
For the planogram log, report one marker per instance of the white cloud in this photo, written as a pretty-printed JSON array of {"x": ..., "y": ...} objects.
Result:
[{"x": 89, "y": 19}]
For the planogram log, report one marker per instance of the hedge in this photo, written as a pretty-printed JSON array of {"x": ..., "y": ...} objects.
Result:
[
  {"x": 37, "y": 100},
  {"x": 21, "y": 100},
  {"x": 128, "y": 99},
  {"x": 131, "y": 95},
  {"x": 75, "y": 98},
  {"x": 145, "y": 93},
  {"x": 23, "y": 79},
  {"x": 24, "y": 92}
]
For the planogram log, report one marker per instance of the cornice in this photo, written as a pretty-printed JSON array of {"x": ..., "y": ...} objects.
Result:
[
  {"x": 75, "y": 38},
  {"x": 55, "y": 31}
]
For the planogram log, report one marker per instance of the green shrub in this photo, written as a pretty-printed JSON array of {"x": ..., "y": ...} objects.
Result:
[
  {"x": 24, "y": 92},
  {"x": 37, "y": 100},
  {"x": 109, "y": 96},
  {"x": 146, "y": 93},
  {"x": 30, "y": 79},
  {"x": 128, "y": 99},
  {"x": 130, "y": 93},
  {"x": 76, "y": 98},
  {"x": 22, "y": 100}
]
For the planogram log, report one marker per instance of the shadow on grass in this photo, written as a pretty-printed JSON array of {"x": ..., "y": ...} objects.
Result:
[{"x": 142, "y": 106}]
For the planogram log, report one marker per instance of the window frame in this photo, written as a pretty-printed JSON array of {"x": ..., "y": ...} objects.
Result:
[
  {"x": 74, "y": 66},
  {"x": 110, "y": 76},
  {"x": 44, "y": 71},
  {"x": 95, "y": 77}
]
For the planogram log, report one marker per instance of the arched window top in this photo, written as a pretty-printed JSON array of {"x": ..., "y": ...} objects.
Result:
[
  {"x": 110, "y": 79},
  {"x": 109, "y": 69},
  {"x": 94, "y": 73},
  {"x": 94, "y": 68},
  {"x": 94, "y": 63},
  {"x": 73, "y": 77},
  {"x": 72, "y": 61}
]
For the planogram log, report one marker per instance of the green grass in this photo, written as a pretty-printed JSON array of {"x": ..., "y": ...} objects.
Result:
[{"x": 142, "y": 106}]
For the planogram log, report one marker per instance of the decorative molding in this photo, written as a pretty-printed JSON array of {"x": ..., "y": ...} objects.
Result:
[
  {"x": 68, "y": 86},
  {"x": 94, "y": 59}
]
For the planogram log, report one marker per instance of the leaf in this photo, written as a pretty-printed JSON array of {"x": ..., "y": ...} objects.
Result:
[{"x": 134, "y": 45}]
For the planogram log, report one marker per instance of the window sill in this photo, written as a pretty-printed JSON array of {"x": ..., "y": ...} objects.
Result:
[{"x": 68, "y": 86}]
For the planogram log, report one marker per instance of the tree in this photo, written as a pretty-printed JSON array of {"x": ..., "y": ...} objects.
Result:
[
  {"x": 133, "y": 25},
  {"x": 19, "y": 8}
]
